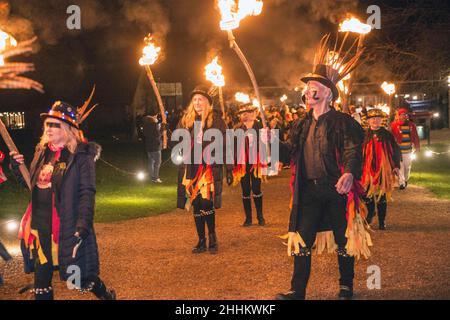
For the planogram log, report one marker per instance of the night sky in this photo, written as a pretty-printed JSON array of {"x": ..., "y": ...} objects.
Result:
[{"x": 279, "y": 43}]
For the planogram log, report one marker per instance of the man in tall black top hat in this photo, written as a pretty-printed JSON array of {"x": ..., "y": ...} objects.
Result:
[{"x": 327, "y": 149}]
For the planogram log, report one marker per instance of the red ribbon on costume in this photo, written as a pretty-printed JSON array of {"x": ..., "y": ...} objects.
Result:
[{"x": 2, "y": 175}]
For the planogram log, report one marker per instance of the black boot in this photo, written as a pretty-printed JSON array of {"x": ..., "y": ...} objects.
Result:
[
  {"x": 101, "y": 292},
  {"x": 248, "y": 211},
  {"x": 371, "y": 210},
  {"x": 345, "y": 293},
  {"x": 200, "y": 247},
  {"x": 382, "y": 208},
  {"x": 213, "y": 246},
  {"x": 300, "y": 277},
  {"x": 258, "y": 199},
  {"x": 43, "y": 294},
  {"x": 347, "y": 273},
  {"x": 290, "y": 295}
]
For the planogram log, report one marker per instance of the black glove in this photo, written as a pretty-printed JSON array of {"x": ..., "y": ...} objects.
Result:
[
  {"x": 14, "y": 164},
  {"x": 230, "y": 177}
]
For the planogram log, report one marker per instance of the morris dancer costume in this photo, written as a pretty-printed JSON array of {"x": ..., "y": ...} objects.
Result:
[
  {"x": 200, "y": 185},
  {"x": 249, "y": 169},
  {"x": 328, "y": 154},
  {"x": 405, "y": 132},
  {"x": 57, "y": 229},
  {"x": 381, "y": 157}
]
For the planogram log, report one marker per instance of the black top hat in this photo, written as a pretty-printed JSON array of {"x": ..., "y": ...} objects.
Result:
[
  {"x": 373, "y": 113},
  {"x": 246, "y": 107},
  {"x": 204, "y": 91},
  {"x": 320, "y": 75},
  {"x": 64, "y": 112}
]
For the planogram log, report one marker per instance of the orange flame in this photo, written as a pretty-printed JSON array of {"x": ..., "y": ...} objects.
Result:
[
  {"x": 354, "y": 25},
  {"x": 150, "y": 52},
  {"x": 213, "y": 73},
  {"x": 389, "y": 88},
  {"x": 242, "y": 97},
  {"x": 232, "y": 13},
  {"x": 6, "y": 41}
]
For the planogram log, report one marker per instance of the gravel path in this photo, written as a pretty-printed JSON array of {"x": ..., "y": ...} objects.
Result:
[{"x": 151, "y": 258}]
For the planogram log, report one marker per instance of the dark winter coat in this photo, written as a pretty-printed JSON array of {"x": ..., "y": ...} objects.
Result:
[
  {"x": 341, "y": 136},
  {"x": 75, "y": 201},
  {"x": 152, "y": 135}
]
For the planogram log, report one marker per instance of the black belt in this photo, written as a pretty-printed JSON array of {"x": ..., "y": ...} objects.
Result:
[{"x": 321, "y": 181}]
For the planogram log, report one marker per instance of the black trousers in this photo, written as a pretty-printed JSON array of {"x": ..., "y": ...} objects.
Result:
[
  {"x": 381, "y": 209},
  {"x": 43, "y": 274},
  {"x": 251, "y": 184},
  {"x": 204, "y": 213},
  {"x": 321, "y": 207}
]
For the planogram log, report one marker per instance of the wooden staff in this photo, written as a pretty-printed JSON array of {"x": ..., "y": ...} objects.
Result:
[
  {"x": 222, "y": 103},
  {"x": 160, "y": 103},
  {"x": 12, "y": 147},
  {"x": 235, "y": 47}
]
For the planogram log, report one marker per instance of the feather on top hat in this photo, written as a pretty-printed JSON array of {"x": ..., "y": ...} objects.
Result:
[
  {"x": 332, "y": 64},
  {"x": 68, "y": 114}
]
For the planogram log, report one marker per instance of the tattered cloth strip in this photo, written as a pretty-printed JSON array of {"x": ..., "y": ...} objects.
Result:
[
  {"x": 357, "y": 233},
  {"x": 259, "y": 169},
  {"x": 30, "y": 236},
  {"x": 203, "y": 183},
  {"x": 378, "y": 178}
]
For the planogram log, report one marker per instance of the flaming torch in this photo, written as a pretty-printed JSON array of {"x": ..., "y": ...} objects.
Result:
[
  {"x": 242, "y": 97},
  {"x": 232, "y": 14},
  {"x": 150, "y": 55},
  {"x": 10, "y": 79},
  {"x": 389, "y": 89},
  {"x": 354, "y": 25},
  {"x": 213, "y": 73}
]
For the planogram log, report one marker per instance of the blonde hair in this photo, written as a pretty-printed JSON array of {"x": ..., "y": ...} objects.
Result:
[
  {"x": 189, "y": 116},
  {"x": 72, "y": 136}
]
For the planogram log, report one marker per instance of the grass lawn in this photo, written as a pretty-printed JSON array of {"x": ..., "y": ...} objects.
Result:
[
  {"x": 120, "y": 196},
  {"x": 433, "y": 173}
]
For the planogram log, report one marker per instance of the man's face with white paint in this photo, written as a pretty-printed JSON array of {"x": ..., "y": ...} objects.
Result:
[{"x": 316, "y": 93}]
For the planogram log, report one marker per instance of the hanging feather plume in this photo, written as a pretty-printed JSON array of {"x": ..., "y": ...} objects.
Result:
[
  {"x": 338, "y": 63},
  {"x": 81, "y": 111}
]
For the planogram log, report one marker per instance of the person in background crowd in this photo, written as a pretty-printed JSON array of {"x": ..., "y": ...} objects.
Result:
[
  {"x": 405, "y": 133},
  {"x": 153, "y": 143}
]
